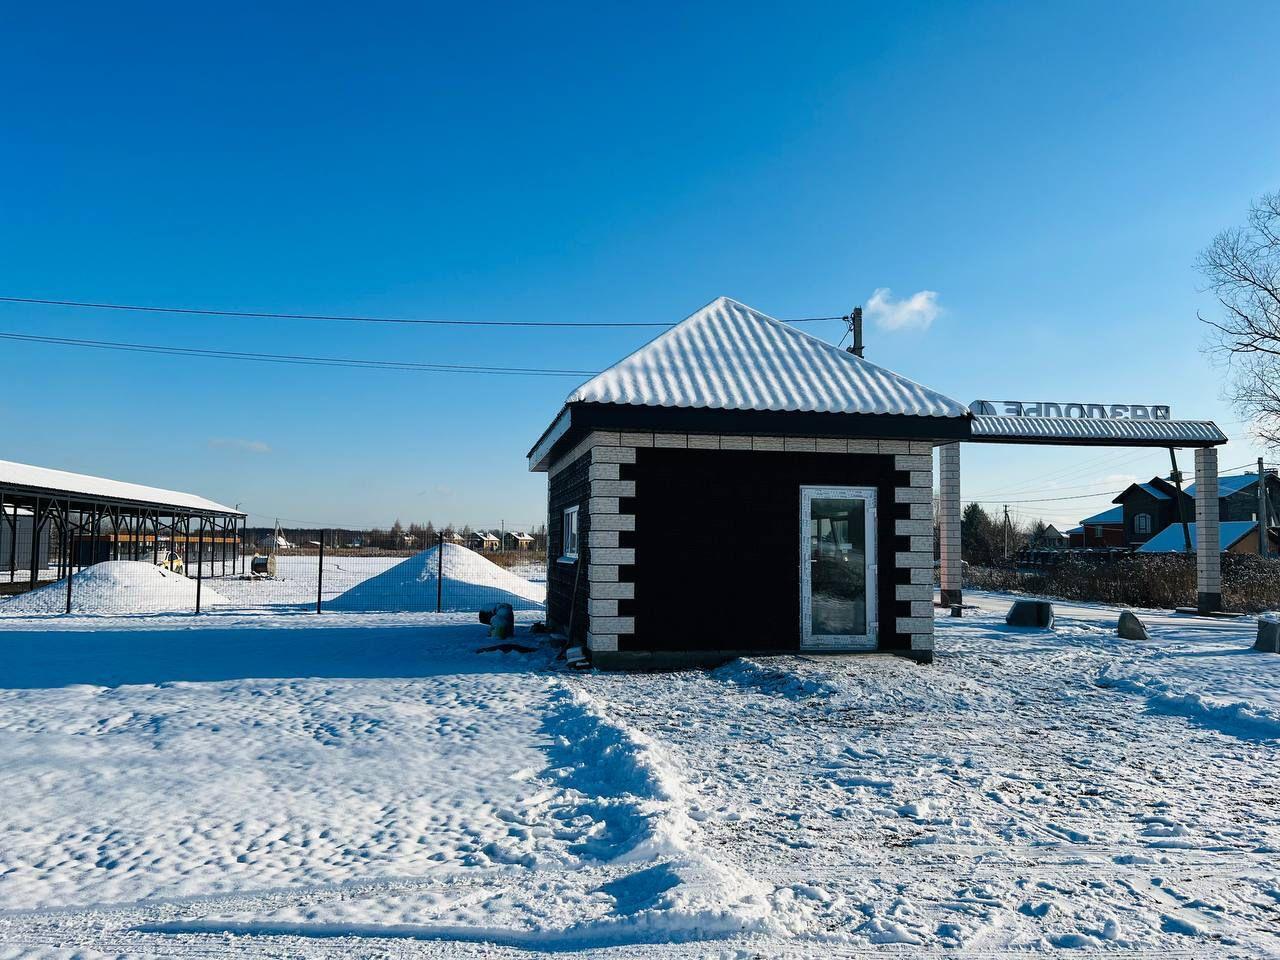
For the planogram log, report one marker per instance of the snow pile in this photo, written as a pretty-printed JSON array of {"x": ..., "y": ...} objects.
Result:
[
  {"x": 470, "y": 581},
  {"x": 1251, "y": 719},
  {"x": 115, "y": 586}
]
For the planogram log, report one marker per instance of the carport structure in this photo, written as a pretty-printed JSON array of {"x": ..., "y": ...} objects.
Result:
[
  {"x": 89, "y": 519},
  {"x": 1097, "y": 426}
]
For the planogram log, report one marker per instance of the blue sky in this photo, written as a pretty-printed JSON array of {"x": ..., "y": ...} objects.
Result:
[{"x": 1049, "y": 170}]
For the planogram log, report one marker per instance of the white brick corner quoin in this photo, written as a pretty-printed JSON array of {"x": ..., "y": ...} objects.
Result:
[{"x": 608, "y": 450}]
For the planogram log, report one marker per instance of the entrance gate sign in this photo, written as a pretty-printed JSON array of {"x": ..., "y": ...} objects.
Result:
[{"x": 1075, "y": 411}]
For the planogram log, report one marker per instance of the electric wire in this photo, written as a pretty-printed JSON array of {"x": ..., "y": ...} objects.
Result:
[
  {"x": 339, "y": 318},
  {"x": 298, "y": 359}
]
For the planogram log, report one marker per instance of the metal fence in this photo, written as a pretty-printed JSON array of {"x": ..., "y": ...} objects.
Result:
[{"x": 310, "y": 573}]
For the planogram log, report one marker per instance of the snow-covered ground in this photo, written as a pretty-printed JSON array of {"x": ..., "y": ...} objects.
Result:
[
  {"x": 377, "y": 786},
  {"x": 348, "y": 584}
]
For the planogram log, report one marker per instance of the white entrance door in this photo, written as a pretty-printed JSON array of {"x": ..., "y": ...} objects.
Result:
[{"x": 837, "y": 568}]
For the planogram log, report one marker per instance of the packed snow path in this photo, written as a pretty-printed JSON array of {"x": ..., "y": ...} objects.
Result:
[{"x": 1032, "y": 792}]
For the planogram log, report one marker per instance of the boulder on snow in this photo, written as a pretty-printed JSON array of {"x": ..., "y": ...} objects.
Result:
[
  {"x": 1130, "y": 627},
  {"x": 1268, "y": 635},
  {"x": 1030, "y": 613}
]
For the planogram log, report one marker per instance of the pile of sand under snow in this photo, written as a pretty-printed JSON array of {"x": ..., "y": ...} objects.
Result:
[
  {"x": 468, "y": 581},
  {"x": 116, "y": 586}
]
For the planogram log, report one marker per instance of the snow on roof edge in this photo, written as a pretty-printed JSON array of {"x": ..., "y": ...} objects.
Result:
[{"x": 86, "y": 485}]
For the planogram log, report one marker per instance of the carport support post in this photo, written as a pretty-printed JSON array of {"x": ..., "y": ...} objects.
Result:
[
  {"x": 949, "y": 523},
  {"x": 320, "y": 574},
  {"x": 199, "y": 559},
  {"x": 1208, "y": 548},
  {"x": 66, "y": 549}
]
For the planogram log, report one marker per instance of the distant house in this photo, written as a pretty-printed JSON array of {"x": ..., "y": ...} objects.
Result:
[
  {"x": 516, "y": 540},
  {"x": 1238, "y": 497},
  {"x": 1052, "y": 539},
  {"x": 1150, "y": 507},
  {"x": 453, "y": 537},
  {"x": 484, "y": 542},
  {"x": 1234, "y": 536},
  {"x": 274, "y": 541},
  {"x": 1100, "y": 531}
]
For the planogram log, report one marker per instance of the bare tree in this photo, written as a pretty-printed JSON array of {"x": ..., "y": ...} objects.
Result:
[{"x": 1242, "y": 267}]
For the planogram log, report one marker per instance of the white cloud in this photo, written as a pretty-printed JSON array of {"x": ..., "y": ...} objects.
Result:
[
  {"x": 235, "y": 443},
  {"x": 916, "y": 312}
]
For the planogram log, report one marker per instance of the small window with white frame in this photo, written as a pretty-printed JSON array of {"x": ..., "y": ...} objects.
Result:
[
  {"x": 569, "y": 535},
  {"x": 1142, "y": 523}
]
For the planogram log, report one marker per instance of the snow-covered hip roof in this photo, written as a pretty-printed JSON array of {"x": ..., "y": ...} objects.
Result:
[
  {"x": 89, "y": 487},
  {"x": 728, "y": 356}
]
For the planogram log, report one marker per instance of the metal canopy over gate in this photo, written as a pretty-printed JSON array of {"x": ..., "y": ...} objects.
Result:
[{"x": 1097, "y": 425}]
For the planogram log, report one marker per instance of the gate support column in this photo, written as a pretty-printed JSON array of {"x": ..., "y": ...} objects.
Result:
[
  {"x": 1208, "y": 548},
  {"x": 949, "y": 522}
]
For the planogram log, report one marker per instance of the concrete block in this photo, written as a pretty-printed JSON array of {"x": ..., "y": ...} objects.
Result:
[
  {"x": 1268, "y": 635},
  {"x": 913, "y": 495},
  {"x": 1030, "y": 613},
  {"x": 913, "y": 591},
  {"x": 766, "y": 443},
  {"x": 615, "y": 625},
  {"x": 923, "y": 544},
  {"x": 603, "y": 643},
  {"x": 602, "y": 538},
  {"x": 599, "y": 505},
  {"x": 613, "y": 521},
  {"x": 922, "y": 574},
  {"x": 915, "y": 559},
  {"x": 895, "y": 446},
  {"x": 614, "y": 555},
  {"x": 613, "y": 455},
  {"x": 910, "y": 528},
  {"x": 602, "y": 607},
  {"x": 604, "y": 471},
  {"x": 922, "y": 608},
  {"x": 914, "y": 624},
  {"x": 606, "y": 572},
  {"x": 613, "y": 488},
  {"x": 799, "y": 444},
  {"x": 864, "y": 446},
  {"x": 829, "y": 445},
  {"x": 605, "y": 590},
  {"x": 735, "y": 443},
  {"x": 704, "y": 441},
  {"x": 637, "y": 439},
  {"x": 671, "y": 441},
  {"x": 905, "y": 461}
]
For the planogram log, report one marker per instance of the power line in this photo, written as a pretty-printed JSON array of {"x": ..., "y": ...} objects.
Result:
[
  {"x": 299, "y": 359},
  {"x": 257, "y": 315}
]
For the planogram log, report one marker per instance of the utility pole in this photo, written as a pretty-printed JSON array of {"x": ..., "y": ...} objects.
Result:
[
  {"x": 855, "y": 328},
  {"x": 1006, "y": 531},
  {"x": 1176, "y": 477},
  {"x": 1263, "y": 526}
]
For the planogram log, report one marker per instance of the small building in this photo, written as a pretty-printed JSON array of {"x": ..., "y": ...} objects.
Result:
[
  {"x": 1101, "y": 531},
  {"x": 1234, "y": 536},
  {"x": 484, "y": 542},
  {"x": 653, "y": 465},
  {"x": 517, "y": 540}
]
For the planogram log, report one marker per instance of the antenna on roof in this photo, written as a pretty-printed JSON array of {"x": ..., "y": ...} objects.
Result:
[{"x": 855, "y": 327}]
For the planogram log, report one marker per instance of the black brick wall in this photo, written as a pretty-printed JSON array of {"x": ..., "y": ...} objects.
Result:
[
  {"x": 717, "y": 546},
  {"x": 571, "y": 486}
]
